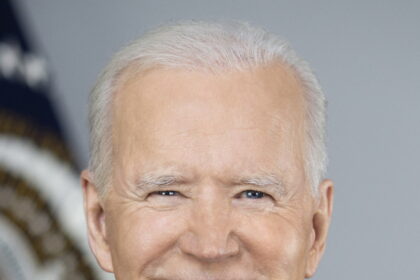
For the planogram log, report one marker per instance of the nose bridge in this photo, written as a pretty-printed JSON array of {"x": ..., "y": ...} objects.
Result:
[
  {"x": 211, "y": 218},
  {"x": 211, "y": 232}
]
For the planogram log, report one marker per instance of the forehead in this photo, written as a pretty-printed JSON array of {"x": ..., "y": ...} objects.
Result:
[
  {"x": 173, "y": 114},
  {"x": 272, "y": 89}
]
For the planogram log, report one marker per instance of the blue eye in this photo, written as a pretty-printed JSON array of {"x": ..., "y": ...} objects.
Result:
[{"x": 254, "y": 194}]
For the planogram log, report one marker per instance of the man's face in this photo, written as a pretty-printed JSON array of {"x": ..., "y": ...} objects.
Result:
[{"x": 208, "y": 180}]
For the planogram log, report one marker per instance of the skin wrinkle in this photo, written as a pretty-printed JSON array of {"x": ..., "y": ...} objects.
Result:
[
  {"x": 152, "y": 181},
  {"x": 131, "y": 208},
  {"x": 199, "y": 137},
  {"x": 207, "y": 134}
]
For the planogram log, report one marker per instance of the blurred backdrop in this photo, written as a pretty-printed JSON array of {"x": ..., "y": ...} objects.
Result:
[{"x": 366, "y": 55}]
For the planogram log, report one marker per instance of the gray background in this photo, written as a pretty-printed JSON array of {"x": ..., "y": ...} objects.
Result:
[{"x": 367, "y": 56}]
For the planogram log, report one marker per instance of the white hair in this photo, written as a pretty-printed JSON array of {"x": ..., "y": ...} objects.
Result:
[{"x": 204, "y": 46}]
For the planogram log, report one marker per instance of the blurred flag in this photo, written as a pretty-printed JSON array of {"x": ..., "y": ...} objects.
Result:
[{"x": 42, "y": 231}]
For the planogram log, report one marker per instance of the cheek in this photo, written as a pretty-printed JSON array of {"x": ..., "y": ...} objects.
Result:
[
  {"x": 277, "y": 243},
  {"x": 142, "y": 236}
]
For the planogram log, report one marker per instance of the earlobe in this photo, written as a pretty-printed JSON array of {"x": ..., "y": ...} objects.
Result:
[
  {"x": 320, "y": 225},
  {"x": 95, "y": 218}
]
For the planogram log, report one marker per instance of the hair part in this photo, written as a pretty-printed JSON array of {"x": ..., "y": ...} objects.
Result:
[{"x": 203, "y": 46}]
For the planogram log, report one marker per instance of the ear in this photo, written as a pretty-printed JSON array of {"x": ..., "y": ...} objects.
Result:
[
  {"x": 95, "y": 219},
  {"x": 320, "y": 225}
]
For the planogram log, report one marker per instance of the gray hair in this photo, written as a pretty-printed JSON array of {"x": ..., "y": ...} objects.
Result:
[{"x": 204, "y": 46}]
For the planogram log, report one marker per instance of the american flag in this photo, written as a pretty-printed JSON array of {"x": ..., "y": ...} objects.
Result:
[{"x": 42, "y": 231}]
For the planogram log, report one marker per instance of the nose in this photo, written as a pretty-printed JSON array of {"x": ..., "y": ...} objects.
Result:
[{"x": 210, "y": 236}]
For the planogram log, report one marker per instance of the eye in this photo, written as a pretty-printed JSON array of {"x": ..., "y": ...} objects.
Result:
[
  {"x": 252, "y": 194},
  {"x": 165, "y": 199},
  {"x": 165, "y": 193}
]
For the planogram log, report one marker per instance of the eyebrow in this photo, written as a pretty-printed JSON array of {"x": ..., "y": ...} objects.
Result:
[
  {"x": 149, "y": 181},
  {"x": 152, "y": 180},
  {"x": 265, "y": 181}
]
